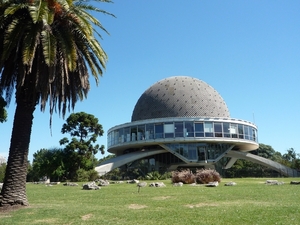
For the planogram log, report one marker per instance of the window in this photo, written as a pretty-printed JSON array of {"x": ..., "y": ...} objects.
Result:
[
  {"x": 218, "y": 129},
  {"x": 246, "y": 130},
  {"x": 192, "y": 152},
  {"x": 208, "y": 129},
  {"x": 116, "y": 137},
  {"x": 189, "y": 129},
  {"x": 226, "y": 130},
  {"x": 149, "y": 131},
  {"x": 251, "y": 133},
  {"x": 109, "y": 139},
  {"x": 169, "y": 130},
  {"x": 159, "y": 130},
  {"x": 233, "y": 130},
  {"x": 178, "y": 129},
  {"x": 199, "y": 130},
  {"x": 133, "y": 133},
  {"x": 254, "y": 134},
  {"x": 126, "y": 134},
  {"x": 141, "y": 132},
  {"x": 241, "y": 131}
]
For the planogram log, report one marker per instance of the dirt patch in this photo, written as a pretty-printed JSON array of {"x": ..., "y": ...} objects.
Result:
[
  {"x": 49, "y": 221},
  {"x": 162, "y": 197},
  {"x": 86, "y": 217},
  {"x": 229, "y": 203},
  {"x": 8, "y": 209},
  {"x": 136, "y": 206},
  {"x": 201, "y": 205}
]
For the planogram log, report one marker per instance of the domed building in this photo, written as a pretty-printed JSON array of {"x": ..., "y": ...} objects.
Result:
[{"x": 182, "y": 122}]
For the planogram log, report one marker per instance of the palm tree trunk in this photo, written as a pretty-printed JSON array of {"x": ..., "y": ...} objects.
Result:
[{"x": 14, "y": 187}]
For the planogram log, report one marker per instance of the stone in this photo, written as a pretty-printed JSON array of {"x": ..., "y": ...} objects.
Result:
[
  {"x": 231, "y": 183},
  {"x": 90, "y": 186},
  {"x": 134, "y": 181},
  {"x": 103, "y": 182},
  {"x": 54, "y": 183},
  {"x": 179, "y": 184},
  {"x": 212, "y": 184},
  {"x": 295, "y": 182},
  {"x": 157, "y": 184},
  {"x": 70, "y": 184},
  {"x": 274, "y": 182}
]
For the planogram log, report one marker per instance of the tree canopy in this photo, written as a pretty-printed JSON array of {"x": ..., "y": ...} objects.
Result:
[{"x": 85, "y": 129}]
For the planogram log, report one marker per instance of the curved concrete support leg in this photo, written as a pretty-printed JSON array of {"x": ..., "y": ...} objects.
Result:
[
  {"x": 121, "y": 160},
  {"x": 263, "y": 161}
]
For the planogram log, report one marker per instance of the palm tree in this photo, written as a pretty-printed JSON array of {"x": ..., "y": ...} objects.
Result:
[{"x": 47, "y": 48}]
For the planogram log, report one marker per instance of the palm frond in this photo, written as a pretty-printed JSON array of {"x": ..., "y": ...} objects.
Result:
[
  {"x": 49, "y": 47},
  {"x": 30, "y": 42}
]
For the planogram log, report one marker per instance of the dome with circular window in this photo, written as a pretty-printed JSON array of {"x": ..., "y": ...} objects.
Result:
[{"x": 180, "y": 96}]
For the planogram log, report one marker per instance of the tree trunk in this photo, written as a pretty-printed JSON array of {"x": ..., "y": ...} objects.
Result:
[{"x": 14, "y": 187}]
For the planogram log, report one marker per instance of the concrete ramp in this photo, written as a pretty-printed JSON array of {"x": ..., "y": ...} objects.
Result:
[
  {"x": 121, "y": 160},
  {"x": 284, "y": 170}
]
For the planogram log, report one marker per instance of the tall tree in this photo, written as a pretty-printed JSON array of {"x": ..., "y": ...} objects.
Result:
[
  {"x": 84, "y": 130},
  {"x": 46, "y": 50}
]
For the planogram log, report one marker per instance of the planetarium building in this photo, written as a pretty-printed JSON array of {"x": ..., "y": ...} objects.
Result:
[{"x": 182, "y": 122}]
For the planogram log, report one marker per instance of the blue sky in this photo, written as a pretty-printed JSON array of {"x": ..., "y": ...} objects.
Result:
[{"x": 249, "y": 51}]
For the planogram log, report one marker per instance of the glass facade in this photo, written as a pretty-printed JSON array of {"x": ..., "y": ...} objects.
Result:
[
  {"x": 199, "y": 152},
  {"x": 182, "y": 129}
]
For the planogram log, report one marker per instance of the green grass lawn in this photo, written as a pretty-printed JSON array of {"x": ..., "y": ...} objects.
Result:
[{"x": 249, "y": 202}]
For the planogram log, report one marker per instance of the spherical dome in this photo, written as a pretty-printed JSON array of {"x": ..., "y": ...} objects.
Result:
[{"x": 180, "y": 96}]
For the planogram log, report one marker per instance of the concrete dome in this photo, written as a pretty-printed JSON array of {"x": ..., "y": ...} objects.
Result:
[{"x": 180, "y": 96}]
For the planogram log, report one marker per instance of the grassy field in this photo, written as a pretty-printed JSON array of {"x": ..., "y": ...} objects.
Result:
[{"x": 251, "y": 201}]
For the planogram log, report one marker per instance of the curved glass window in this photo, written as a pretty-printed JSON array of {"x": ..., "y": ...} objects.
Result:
[
  {"x": 246, "y": 130},
  {"x": 193, "y": 129},
  {"x": 218, "y": 129},
  {"x": 179, "y": 129},
  {"x": 126, "y": 134},
  {"x": 241, "y": 131},
  {"x": 169, "y": 130},
  {"x": 234, "y": 130},
  {"x": 199, "y": 130},
  {"x": 189, "y": 129},
  {"x": 208, "y": 129},
  {"x": 149, "y": 131},
  {"x": 159, "y": 130},
  {"x": 141, "y": 132},
  {"x": 226, "y": 130}
]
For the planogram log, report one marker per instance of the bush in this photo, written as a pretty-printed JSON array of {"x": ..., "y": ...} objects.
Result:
[
  {"x": 155, "y": 175},
  {"x": 184, "y": 176},
  {"x": 86, "y": 175},
  {"x": 201, "y": 177},
  {"x": 93, "y": 175},
  {"x": 81, "y": 176},
  {"x": 205, "y": 176}
]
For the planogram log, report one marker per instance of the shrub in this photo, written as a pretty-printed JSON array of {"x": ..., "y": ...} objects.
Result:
[
  {"x": 93, "y": 175},
  {"x": 184, "y": 176},
  {"x": 156, "y": 175},
  {"x": 82, "y": 175},
  {"x": 205, "y": 176},
  {"x": 201, "y": 177}
]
